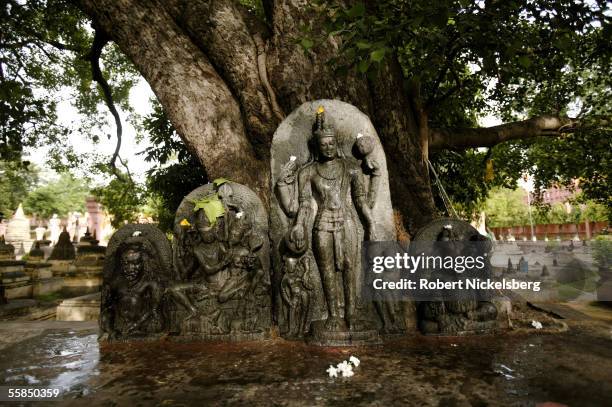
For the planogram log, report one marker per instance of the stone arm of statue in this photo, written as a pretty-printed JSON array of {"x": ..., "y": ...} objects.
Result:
[
  {"x": 308, "y": 280},
  {"x": 285, "y": 189},
  {"x": 208, "y": 268},
  {"x": 286, "y": 290},
  {"x": 361, "y": 204},
  {"x": 107, "y": 317},
  {"x": 298, "y": 232}
]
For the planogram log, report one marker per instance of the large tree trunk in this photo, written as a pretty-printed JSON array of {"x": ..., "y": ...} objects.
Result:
[{"x": 226, "y": 80}]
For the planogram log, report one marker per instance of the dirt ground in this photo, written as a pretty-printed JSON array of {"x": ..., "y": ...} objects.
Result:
[{"x": 521, "y": 367}]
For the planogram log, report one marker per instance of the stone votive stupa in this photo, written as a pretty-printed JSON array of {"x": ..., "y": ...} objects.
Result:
[{"x": 18, "y": 230}]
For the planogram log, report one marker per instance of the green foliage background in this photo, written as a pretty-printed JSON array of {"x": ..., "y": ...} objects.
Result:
[{"x": 465, "y": 59}]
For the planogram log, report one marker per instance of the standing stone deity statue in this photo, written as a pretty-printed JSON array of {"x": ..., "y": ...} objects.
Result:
[
  {"x": 329, "y": 188},
  {"x": 296, "y": 287}
]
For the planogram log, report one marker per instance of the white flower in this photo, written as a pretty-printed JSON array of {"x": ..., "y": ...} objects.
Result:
[
  {"x": 346, "y": 368},
  {"x": 292, "y": 158},
  {"x": 239, "y": 215},
  {"x": 136, "y": 233},
  {"x": 449, "y": 226},
  {"x": 536, "y": 324},
  {"x": 354, "y": 361},
  {"x": 348, "y": 373},
  {"x": 359, "y": 135},
  {"x": 332, "y": 371}
]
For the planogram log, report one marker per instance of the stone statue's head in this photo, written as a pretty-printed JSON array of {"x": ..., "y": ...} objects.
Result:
[
  {"x": 324, "y": 137},
  {"x": 207, "y": 232},
  {"x": 132, "y": 262}
]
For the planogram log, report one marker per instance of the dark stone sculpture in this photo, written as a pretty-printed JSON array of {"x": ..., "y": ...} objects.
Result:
[
  {"x": 63, "y": 249},
  {"x": 222, "y": 290},
  {"x": 330, "y": 191},
  {"x": 137, "y": 271},
  {"x": 454, "y": 317},
  {"x": 212, "y": 283}
]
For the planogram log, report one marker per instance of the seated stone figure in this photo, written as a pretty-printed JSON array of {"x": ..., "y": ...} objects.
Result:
[
  {"x": 134, "y": 283},
  {"x": 449, "y": 316},
  {"x": 222, "y": 285}
]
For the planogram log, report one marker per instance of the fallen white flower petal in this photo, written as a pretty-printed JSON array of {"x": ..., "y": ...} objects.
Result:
[
  {"x": 359, "y": 135},
  {"x": 332, "y": 371},
  {"x": 136, "y": 233},
  {"x": 239, "y": 215},
  {"x": 536, "y": 324},
  {"x": 292, "y": 158},
  {"x": 354, "y": 361},
  {"x": 348, "y": 373}
]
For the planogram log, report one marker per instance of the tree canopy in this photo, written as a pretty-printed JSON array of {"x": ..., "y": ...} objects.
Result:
[{"x": 543, "y": 67}]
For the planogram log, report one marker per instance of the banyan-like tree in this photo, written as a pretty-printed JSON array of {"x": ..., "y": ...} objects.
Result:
[{"x": 227, "y": 72}]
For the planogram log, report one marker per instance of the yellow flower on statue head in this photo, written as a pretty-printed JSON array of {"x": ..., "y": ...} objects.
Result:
[
  {"x": 185, "y": 223},
  {"x": 320, "y": 110}
]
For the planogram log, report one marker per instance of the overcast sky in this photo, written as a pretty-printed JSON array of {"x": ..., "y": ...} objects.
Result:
[
  {"x": 139, "y": 99},
  {"x": 68, "y": 115}
]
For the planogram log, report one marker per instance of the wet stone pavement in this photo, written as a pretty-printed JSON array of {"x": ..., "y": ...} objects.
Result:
[{"x": 572, "y": 368}]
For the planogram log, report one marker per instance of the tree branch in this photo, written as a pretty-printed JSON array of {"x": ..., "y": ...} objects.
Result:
[
  {"x": 462, "y": 138},
  {"x": 100, "y": 40},
  {"x": 195, "y": 97}
]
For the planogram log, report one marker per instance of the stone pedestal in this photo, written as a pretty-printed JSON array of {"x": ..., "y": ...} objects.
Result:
[
  {"x": 42, "y": 278},
  {"x": 322, "y": 337},
  {"x": 85, "y": 275},
  {"x": 16, "y": 283}
]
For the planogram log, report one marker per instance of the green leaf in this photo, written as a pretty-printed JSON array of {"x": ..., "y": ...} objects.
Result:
[
  {"x": 357, "y": 10},
  {"x": 220, "y": 181},
  {"x": 212, "y": 207},
  {"x": 524, "y": 61},
  {"x": 377, "y": 55},
  {"x": 363, "y": 45},
  {"x": 364, "y": 65},
  {"x": 306, "y": 43}
]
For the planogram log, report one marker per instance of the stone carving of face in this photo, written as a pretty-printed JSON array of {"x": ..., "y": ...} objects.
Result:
[
  {"x": 328, "y": 148},
  {"x": 132, "y": 264},
  {"x": 207, "y": 234}
]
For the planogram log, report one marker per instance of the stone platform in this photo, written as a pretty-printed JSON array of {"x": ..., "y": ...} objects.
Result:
[{"x": 569, "y": 368}]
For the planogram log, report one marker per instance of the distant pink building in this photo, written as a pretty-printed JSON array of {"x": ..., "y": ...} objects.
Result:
[{"x": 555, "y": 195}]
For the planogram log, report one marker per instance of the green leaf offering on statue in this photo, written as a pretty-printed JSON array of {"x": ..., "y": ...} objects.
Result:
[
  {"x": 220, "y": 181},
  {"x": 212, "y": 207}
]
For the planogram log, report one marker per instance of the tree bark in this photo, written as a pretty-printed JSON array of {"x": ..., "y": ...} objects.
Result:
[
  {"x": 226, "y": 80},
  {"x": 197, "y": 100}
]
